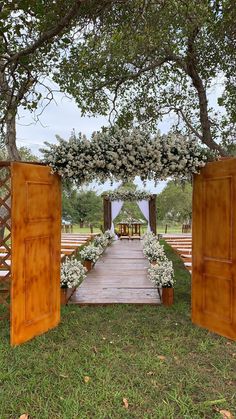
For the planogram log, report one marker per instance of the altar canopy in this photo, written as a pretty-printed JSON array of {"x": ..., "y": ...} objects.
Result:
[{"x": 113, "y": 203}]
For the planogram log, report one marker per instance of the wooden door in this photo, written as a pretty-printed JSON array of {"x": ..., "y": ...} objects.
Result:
[
  {"x": 36, "y": 224},
  {"x": 214, "y": 248}
]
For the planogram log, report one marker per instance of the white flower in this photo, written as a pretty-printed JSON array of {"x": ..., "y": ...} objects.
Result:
[
  {"x": 120, "y": 154},
  {"x": 162, "y": 274},
  {"x": 72, "y": 273},
  {"x": 90, "y": 252}
]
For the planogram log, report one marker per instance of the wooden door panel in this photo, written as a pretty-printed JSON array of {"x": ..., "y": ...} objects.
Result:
[
  {"x": 214, "y": 248},
  {"x": 38, "y": 279},
  {"x": 217, "y": 213},
  {"x": 36, "y": 219}
]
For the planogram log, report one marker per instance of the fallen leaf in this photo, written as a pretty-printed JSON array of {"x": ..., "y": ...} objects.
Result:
[
  {"x": 150, "y": 373},
  {"x": 161, "y": 357},
  {"x": 95, "y": 350},
  {"x": 125, "y": 403},
  {"x": 87, "y": 379},
  {"x": 24, "y": 416},
  {"x": 63, "y": 376},
  {"x": 226, "y": 414}
]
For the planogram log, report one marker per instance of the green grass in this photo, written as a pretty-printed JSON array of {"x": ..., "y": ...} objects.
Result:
[
  {"x": 119, "y": 347},
  {"x": 78, "y": 229},
  {"x": 160, "y": 229}
]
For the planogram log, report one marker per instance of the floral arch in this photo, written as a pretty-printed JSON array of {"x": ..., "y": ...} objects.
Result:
[{"x": 120, "y": 154}]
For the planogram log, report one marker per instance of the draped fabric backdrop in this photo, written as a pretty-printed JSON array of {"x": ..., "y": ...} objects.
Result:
[
  {"x": 144, "y": 207},
  {"x": 115, "y": 209}
]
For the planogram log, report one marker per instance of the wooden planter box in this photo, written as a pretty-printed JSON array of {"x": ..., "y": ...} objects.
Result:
[
  {"x": 66, "y": 294},
  {"x": 167, "y": 296},
  {"x": 88, "y": 264}
]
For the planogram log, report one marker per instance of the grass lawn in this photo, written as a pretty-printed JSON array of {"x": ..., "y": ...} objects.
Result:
[
  {"x": 152, "y": 356},
  {"x": 160, "y": 229}
]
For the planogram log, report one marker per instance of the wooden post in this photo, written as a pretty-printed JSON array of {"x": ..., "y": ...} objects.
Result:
[
  {"x": 106, "y": 213},
  {"x": 152, "y": 214}
]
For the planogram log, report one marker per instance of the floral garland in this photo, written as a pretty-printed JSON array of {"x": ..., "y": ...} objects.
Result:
[
  {"x": 121, "y": 154},
  {"x": 125, "y": 195}
]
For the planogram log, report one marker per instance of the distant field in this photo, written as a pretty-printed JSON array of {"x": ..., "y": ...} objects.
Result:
[{"x": 160, "y": 229}]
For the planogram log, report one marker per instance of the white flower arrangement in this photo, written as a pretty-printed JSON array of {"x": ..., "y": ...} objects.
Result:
[
  {"x": 109, "y": 235},
  {"x": 101, "y": 240},
  {"x": 72, "y": 273},
  {"x": 149, "y": 238},
  {"x": 154, "y": 251},
  {"x": 125, "y": 195},
  {"x": 121, "y": 154},
  {"x": 91, "y": 252},
  {"x": 162, "y": 275}
]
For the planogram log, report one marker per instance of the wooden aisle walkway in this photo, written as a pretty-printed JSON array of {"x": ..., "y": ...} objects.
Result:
[{"x": 119, "y": 276}]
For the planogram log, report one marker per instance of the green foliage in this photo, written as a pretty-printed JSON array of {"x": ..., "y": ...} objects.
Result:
[
  {"x": 34, "y": 36},
  {"x": 174, "y": 203},
  {"x": 175, "y": 51},
  {"x": 25, "y": 154},
  {"x": 82, "y": 206},
  {"x": 129, "y": 210}
]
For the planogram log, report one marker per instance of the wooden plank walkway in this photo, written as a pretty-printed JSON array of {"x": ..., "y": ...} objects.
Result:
[{"x": 118, "y": 277}]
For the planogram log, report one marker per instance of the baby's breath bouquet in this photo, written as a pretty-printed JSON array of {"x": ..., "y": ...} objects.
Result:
[
  {"x": 72, "y": 273},
  {"x": 162, "y": 275},
  {"x": 154, "y": 252},
  {"x": 91, "y": 252},
  {"x": 109, "y": 235},
  {"x": 149, "y": 238},
  {"x": 101, "y": 240}
]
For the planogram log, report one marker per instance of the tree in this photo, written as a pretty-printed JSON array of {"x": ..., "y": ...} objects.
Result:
[
  {"x": 24, "y": 152},
  {"x": 34, "y": 36},
  {"x": 81, "y": 206},
  {"x": 90, "y": 207},
  {"x": 146, "y": 59},
  {"x": 174, "y": 203}
]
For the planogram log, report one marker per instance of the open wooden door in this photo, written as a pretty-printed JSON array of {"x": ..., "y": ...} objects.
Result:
[
  {"x": 36, "y": 225},
  {"x": 214, "y": 248}
]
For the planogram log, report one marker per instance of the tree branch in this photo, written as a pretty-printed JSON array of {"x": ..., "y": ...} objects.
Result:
[
  {"x": 188, "y": 123},
  {"x": 50, "y": 34}
]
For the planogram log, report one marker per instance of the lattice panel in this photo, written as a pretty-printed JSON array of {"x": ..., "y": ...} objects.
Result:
[{"x": 5, "y": 239}]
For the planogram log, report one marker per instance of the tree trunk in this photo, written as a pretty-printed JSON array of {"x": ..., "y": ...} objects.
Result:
[
  {"x": 204, "y": 119},
  {"x": 202, "y": 100},
  {"x": 13, "y": 153}
]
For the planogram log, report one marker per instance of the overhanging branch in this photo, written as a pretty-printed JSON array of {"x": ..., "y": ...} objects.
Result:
[{"x": 50, "y": 34}]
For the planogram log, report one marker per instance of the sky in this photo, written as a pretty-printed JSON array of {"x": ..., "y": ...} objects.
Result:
[{"x": 60, "y": 118}]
